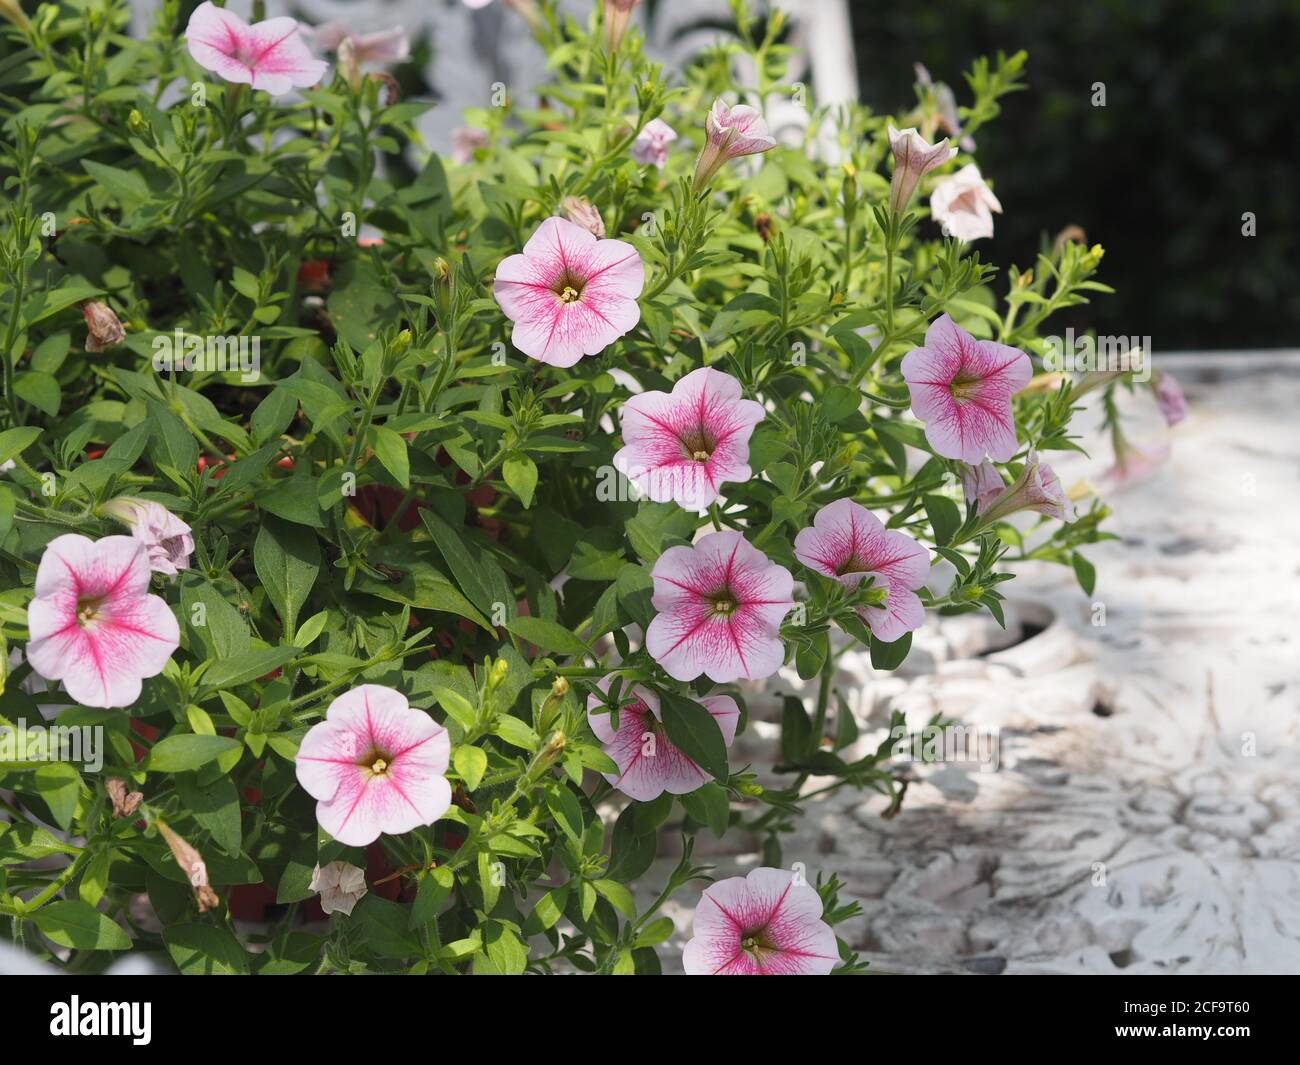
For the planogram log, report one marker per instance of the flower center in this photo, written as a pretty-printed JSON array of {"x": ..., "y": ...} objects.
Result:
[
  {"x": 724, "y": 606},
  {"x": 963, "y": 386},
  {"x": 88, "y": 611},
  {"x": 852, "y": 564},
  {"x": 700, "y": 456},
  {"x": 699, "y": 444},
  {"x": 568, "y": 288},
  {"x": 376, "y": 762},
  {"x": 757, "y": 944}
]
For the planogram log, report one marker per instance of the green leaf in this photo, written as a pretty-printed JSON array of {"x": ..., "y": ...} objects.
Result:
[
  {"x": 287, "y": 560},
  {"x": 390, "y": 450},
  {"x": 215, "y": 807},
  {"x": 15, "y": 441},
  {"x": 468, "y": 570},
  {"x": 1085, "y": 572},
  {"x": 617, "y": 896},
  {"x": 890, "y": 655},
  {"x": 251, "y": 665},
  {"x": 796, "y": 730},
  {"x": 504, "y": 954},
  {"x": 945, "y": 518},
  {"x": 126, "y": 186},
  {"x": 709, "y": 805},
  {"x": 39, "y": 389},
  {"x": 548, "y": 635},
  {"x": 71, "y": 923},
  {"x": 470, "y": 763},
  {"x": 693, "y": 731},
  {"x": 520, "y": 473},
  {"x": 176, "y": 754},
  {"x": 59, "y": 784},
  {"x": 200, "y": 950}
]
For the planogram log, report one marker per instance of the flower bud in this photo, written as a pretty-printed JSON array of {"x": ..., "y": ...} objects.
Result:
[
  {"x": 913, "y": 159},
  {"x": 581, "y": 212},
  {"x": 732, "y": 132}
]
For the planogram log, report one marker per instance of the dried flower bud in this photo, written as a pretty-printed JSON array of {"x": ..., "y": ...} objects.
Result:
[
  {"x": 125, "y": 802},
  {"x": 193, "y": 866},
  {"x": 105, "y": 328},
  {"x": 581, "y": 212}
]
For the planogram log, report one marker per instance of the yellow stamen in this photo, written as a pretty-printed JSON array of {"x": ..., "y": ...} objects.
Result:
[
  {"x": 701, "y": 456},
  {"x": 569, "y": 294},
  {"x": 724, "y": 606},
  {"x": 378, "y": 766}
]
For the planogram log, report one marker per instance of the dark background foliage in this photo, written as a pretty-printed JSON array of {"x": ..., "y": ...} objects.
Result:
[{"x": 1198, "y": 128}]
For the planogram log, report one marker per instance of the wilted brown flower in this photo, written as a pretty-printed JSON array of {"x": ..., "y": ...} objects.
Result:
[
  {"x": 124, "y": 802},
  {"x": 581, "y": 212},
  {"x": 192, "y": 864},
  {"x": 105, "y": 328}
]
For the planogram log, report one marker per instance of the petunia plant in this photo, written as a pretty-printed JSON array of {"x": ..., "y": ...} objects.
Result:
[{"x": 412, "y": 536}]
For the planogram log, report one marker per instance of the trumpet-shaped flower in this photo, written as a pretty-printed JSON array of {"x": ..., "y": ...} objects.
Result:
[
  {"x": 1169, "y": 397},
  {"x": 768, "y": 923},
  {"x": 963, "y": 204},
  {"x": 731, "y": 132},
  {"x": 385, "y": 46},
  {"x": 569, "y": 294},
  {"x": 682, "y": 445},
  {"x": 1037, "y": 488},
  {"x": 849, "y": 544},
  {"x": 93, "y": 623},
  {"x": 914, "y": 157},
  {"x": 962, "y": 388},
  {"x": 720, "y": 604},
  {"x": 164, "y": 535},
  {"x": 375, "y": 765},
  {"x": 269, "y": 55},
  {"x": 648, "y": 762}
]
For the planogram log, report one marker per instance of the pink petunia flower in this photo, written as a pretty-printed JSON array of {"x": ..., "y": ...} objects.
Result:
[
  {"x": 980, "y": 483},
  {"x": 731, "y": 133},
  {"x": 651, "y": 144},
  {"x": 682, "y": 445},
  {"x": 764, "y": 924},
  {"x": 617, "y": 15},
  {"x": 385, "y": 46},
  {"x": 1133, "y": 464},
  {"x": 962, "y": 388},
  {"x": 164, "y": 535},
  {"x": 1169, "y": 398},
  {"x": 720, "y": 605},
  {"x": 93, "y": 623},
  {"x": 914, "y": 157},
  {"x": 963, "y": 205},
  {"x": 849, "y": 543},
  {"x": 648, "y": 763},
  {"x": 269, "y": 55},
  {"x": 1037, "y": 488},
  {"x": 569, "y": 294},
  {"x": 465, "y": 141},
  {"x": 375, "y": 765}
]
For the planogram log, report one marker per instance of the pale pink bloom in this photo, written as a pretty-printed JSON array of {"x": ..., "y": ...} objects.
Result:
[
  {"x": 719, "y": 608},
  {"x": 651, "y": 144},
  {"x": 963, "y": 204},
  {"x": 682, "y": 445},
  {"x": 849, "y": 543},
  {"x": 1133, "y": 464},
  {"x": 386, "y": 46},
  {"x": 648, "y": 763},
  {"x": 731, "y": 133},
  {"x": 962, "y": 388},
  {"x": 1169, "y": 397},
  {"x": 375, "y": 765},
  {"x": 765, "y": 924},
  {"x": 93, "y": 623},
  {"x": 341, "y": 886},
  {"x": 980, "y": 483},
  {"x": 269, "y": 55},
  {"x": 582, "y": 212},
  {"x": 913, "y": 159},
  {"x": 569, "y": 294},
  {"x": 164, "y": 535},
  {"x": 1037, "y": 488},
  {"x": 465, "y": 141}
]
